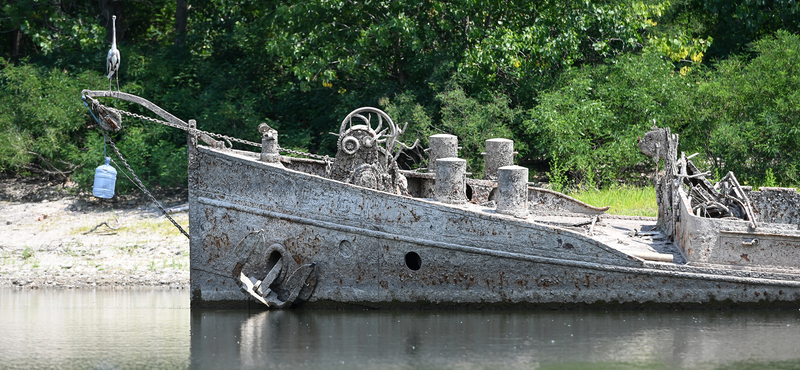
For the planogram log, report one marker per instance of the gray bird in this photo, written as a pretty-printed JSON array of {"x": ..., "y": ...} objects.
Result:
[{"x": 113, "y": 59}]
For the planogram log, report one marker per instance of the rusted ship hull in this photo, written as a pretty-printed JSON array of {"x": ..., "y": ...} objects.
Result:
[
  {"x": 270, "y": 230},
  {"x": 339, "y": 244}
]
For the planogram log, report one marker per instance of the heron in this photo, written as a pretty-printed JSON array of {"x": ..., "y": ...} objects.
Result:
[{"x": 113, "y": 59}]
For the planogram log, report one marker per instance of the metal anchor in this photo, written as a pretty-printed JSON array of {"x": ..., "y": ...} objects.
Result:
[{"x": 303, "y": 277}]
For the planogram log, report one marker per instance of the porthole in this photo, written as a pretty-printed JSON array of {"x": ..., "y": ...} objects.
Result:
[
  {"x": 346, "y": 248},
  {"x": 413, "y": 261}
]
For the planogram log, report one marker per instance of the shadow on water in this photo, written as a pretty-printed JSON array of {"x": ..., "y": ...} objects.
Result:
[
  {"x": 497, "y": 340},
  {"x": 136, "y": 329}
]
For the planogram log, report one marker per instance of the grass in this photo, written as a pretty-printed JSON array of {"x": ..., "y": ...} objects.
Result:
[
  {"x": 624, "y": 200},
  {"x": 157, "y": 226},
  {"x": 130, "y": 249},
  {"x": 7, "y": 258},
  {"x": 178, "y": 265},
  {"x": 96, "y": 265},
  {"x": 75, "y": 249},
  {"x": 27, "y": 253}
]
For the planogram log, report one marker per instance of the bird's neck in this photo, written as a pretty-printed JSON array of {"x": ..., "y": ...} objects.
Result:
[{"x": 114, "y": 33}]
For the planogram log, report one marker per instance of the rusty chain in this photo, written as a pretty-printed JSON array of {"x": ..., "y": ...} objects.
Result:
[
  {"x": 196, "y": 131},
  {"x": 141, "y": 186},
  {"x": 191, "y": 130}
]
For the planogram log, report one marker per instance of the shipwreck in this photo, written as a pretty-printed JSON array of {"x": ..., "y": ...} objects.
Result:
[{"x": 277, "y": 228}]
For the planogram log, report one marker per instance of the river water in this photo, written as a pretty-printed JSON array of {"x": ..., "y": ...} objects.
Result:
[{"x": 136, "y": 329}]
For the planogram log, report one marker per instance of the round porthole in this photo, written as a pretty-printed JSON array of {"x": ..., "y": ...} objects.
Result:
[
  {"x": 346, "y": 248},
  {"x": 413, "y": 261}
]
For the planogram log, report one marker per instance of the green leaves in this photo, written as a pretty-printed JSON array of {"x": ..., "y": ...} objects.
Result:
[
  {"x": 41, "y": 118},
  {"x": 52, "y": 27},
  {"x": 589, "y": 125},
  {"x": 573, "y": 82},
  {"x": 473, "y": 121},
  {"x": 753, "y": 112}
]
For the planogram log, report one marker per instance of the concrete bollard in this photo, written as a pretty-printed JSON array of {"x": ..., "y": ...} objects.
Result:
[
  {"x": 499, "y": 153},
  {"x": 512, "y": 191},
  {"x": 442, "y": 146},
  {"x": 451, "y": 183},
  {"x": 269, "y": 144}
]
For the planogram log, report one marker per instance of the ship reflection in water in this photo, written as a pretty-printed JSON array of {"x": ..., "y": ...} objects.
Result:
[
  {"x": 492, "y": 339},
  {"x": 135, "y": 329}
]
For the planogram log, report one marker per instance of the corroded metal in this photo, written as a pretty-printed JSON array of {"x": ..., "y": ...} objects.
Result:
[
  {"x": 499, "y": 153},
  {"x": 366, "y": 155},
  {"x": 451, "y": 180},
  {"x": 270, "y": 151},
  {"x": 442, "y": 146},
  {"x": 724, "y": 224},
  {"x": 375, "y": 248},
  {"x": 361, "y": 232},
  {"x": 512, "y": 195}
]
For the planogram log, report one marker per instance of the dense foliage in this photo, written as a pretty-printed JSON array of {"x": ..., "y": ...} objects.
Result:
[{"x": 574, "y": 83}]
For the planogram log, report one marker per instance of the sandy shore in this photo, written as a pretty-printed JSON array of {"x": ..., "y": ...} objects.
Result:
[{"x": 50, "y": 238}]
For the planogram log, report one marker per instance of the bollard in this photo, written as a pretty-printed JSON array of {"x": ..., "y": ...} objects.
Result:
[
  {"x": 451, "y": 180},
  {"x": 499, "y": 153},
  {"x": 442, "y": 146},
  {"x": 269, "y": 144},
  {"x": 512, "y": 191}
]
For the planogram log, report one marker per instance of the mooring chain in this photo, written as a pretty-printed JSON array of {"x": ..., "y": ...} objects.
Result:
[
  {"x": 141, "y": 186},
  {"x": 138, "y": 182},
  {"x": 196, "y": 131},
  {"x": 185, "y": 128},
  {"x": 315, "y": 156}
]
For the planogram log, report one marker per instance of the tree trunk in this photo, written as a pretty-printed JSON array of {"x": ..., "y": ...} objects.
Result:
[
  {"x": 181, "y": 17},
  {"x": 17, "y": 44}
]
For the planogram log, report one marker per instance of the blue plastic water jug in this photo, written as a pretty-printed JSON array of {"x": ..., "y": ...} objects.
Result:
[{"x": 105, "y": 177}]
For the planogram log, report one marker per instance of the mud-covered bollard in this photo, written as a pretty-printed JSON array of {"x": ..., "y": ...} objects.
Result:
[
  {"x": 512, "y": 191},
  {"x": 499, "y": 153},
  {"x": 451, "y": 180},
  {"x": 269, "y": 144},
  {"x": 442, "y": 146}
]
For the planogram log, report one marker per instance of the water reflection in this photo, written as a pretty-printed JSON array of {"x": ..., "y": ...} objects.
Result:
[
  {"x": 131, "y": 329},
  {"x": 102, "y": 329},
  {"x": 509, "y": 340}
]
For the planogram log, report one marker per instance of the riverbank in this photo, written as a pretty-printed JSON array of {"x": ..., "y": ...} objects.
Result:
[{"x": 55, "y": 237}]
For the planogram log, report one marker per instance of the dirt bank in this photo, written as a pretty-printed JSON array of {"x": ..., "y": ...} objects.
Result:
[{"x": 49, "y": 237}]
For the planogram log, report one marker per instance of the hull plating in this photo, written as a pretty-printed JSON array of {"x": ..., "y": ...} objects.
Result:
[{"x": 377, "y": 249}]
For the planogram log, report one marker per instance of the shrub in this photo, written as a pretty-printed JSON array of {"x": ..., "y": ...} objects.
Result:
[
  {"x": 472, "y": 120},
  {"x": 591, "y": 120},
  {"x": 750, "y": 112},
  {"x": 42, "y": 119}
]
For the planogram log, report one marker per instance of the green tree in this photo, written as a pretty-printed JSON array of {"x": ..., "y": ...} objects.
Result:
[
  {"x": 471, "y": 120},
  {"x": 751, "y": 111},
  {"x": 590, "y": 123},
  {"x": 42, "y": 121}
]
